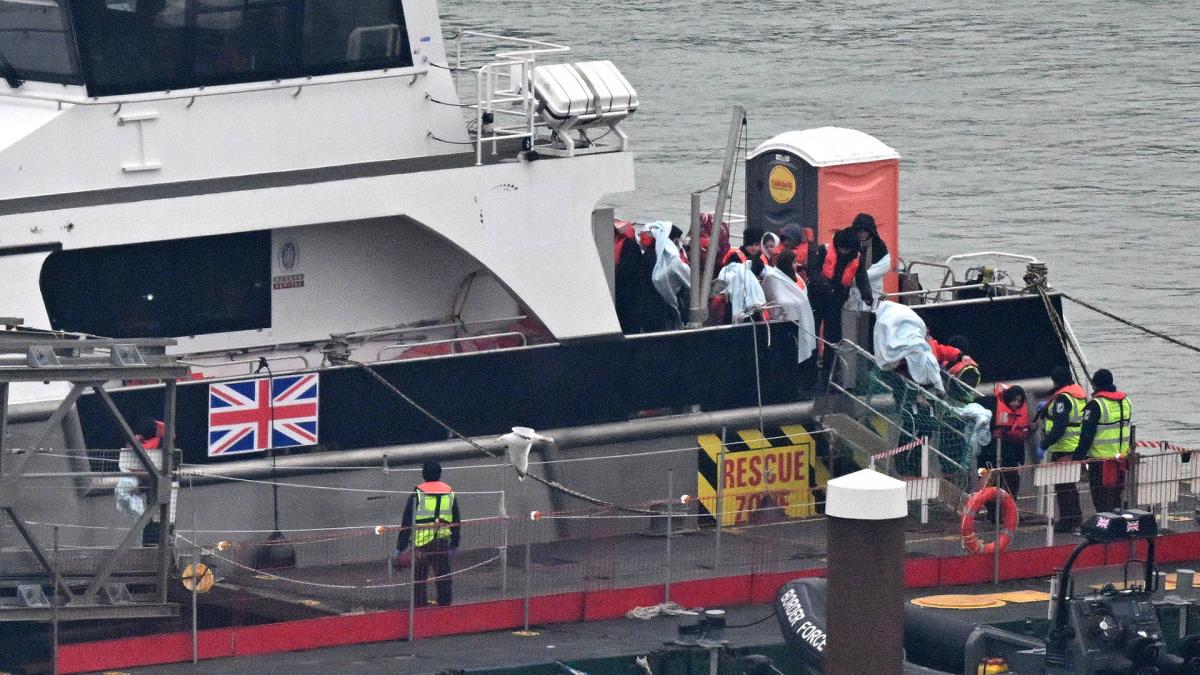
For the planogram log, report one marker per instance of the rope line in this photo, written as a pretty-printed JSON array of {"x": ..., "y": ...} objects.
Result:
[
  {"x": 1131, "y": 324},
  {"x": 554, "y": 485}
]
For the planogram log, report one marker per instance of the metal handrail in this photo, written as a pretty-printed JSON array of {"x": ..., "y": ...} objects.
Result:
[
  {"x": 932, "y": 395},
  {"x": 489, "y": 94},
  {"x": 524, "y": 342},
  {"x": 536, "y": 46},
  {"x": 250, "y": 363},
  {"x": 991, "y": 254},
  {"x": 297, "y": 83}
]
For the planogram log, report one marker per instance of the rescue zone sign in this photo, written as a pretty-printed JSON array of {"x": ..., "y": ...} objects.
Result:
[{"x": 758, "y": 471}]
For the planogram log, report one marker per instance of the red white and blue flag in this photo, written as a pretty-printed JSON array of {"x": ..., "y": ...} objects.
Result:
[{"x": 263, "y": 413}]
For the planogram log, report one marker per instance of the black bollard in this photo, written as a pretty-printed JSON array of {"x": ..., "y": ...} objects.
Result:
[{"x": 866, "y": 512}]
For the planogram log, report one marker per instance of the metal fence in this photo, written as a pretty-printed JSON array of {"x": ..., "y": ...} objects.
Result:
[{"x": 264, "y": 574}]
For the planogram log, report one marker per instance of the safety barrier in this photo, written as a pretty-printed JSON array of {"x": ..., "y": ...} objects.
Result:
[{"x": 759, "y": 535}]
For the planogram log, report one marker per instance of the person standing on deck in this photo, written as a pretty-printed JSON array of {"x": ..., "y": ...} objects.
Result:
[
  {"x": 1105, "y": 437},
  {"x": 1010, "y": 426},
  {"x": 837, "y": 269},
  {"x": 1063, "y": 422},
  {"x": 432, "y": 520}
]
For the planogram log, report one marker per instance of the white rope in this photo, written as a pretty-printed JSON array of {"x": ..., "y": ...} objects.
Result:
[
  {"x": 327, "y": 487},
  {"x": 275, "y": 577},
  {"x": 661, "y": 609}
]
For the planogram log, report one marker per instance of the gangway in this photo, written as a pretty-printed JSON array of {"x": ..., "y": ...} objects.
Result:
[
  {"x": 39, "y": 580},
  {"x": 873, "y": 410}
]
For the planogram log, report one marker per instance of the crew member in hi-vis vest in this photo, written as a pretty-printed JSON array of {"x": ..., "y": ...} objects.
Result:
[
  {"x": 1105, "y": 438},
  {"x": 431, "y": 519},
  {"x": 1064, "y": 419}
]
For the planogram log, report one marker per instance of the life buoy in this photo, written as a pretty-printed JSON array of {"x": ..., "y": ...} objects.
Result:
[{"x": 1008, "y": 520}]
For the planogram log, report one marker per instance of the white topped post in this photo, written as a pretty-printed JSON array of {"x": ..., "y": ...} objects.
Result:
[{"x": 866, "y": 512}]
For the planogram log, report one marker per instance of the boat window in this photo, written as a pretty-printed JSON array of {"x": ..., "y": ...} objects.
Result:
[
  {"x": 162, "y": 289},
  {"x": 35, "y": 43},
  {"x": 131, "y": 46}
]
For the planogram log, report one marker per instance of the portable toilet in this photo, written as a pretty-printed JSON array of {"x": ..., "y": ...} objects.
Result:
[{"x": 820, "y": 179}]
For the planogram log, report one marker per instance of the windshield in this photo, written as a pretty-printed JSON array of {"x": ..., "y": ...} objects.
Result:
[{"x": 35, "y": 42}]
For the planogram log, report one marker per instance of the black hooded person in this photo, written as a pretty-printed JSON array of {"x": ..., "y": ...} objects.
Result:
[
  {"x": 838, "y": 269},
  {"x": 869, "y": 242}
]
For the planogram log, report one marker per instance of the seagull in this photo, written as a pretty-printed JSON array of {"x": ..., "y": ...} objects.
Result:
[{"x": 519, "y": 443}]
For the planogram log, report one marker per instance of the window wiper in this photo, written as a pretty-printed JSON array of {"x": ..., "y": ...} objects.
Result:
[{"x": 9, "y": 73}]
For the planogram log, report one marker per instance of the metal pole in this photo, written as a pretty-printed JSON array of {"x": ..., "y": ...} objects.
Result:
[
  {"x": 924, "y": 475},
  {"x": 736, "y": 121},
  {"x": 699, "y": 311},
  {"x": 54, "y": 607},
  {"x": 1166, "y": 504},
  {"x": 164, "y": 479},
  {"x": 670, "y": 513},
  {"x": 1000, "y": 483},
  {"x": 412, "y": 581},
  {"x": 504, "y": 547},
  {"x": 720, "y": 506},
  {"x": 528, "y": 557},
  {"x": 1051, "y": 503},
  {"x": 195, "y": 580}
]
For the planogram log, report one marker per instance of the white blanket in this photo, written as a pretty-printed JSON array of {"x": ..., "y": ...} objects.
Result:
[
  {"x": 670, "y": 274},
  {"x": 980, "y": 432},
  {"x": 900, "y": 337},
  {"x": 875, "y": 275},
  {"x": 793, "y": 301},
  {"x": 743, "y": 289}
]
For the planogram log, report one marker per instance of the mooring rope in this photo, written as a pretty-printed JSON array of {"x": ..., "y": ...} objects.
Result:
[
  {"x": 552, "y": 484},
  {"x": 1132, "y": 324}
]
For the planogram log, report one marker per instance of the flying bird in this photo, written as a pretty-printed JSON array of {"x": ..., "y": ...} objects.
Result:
[{"x": 519, "y": 442}]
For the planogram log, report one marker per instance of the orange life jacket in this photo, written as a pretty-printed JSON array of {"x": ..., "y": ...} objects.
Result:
[
  {"x": 1072, "y": 390},
  {"x": 1011, "y": 424},
  {"x": 831, "y": 263},
  {"x": 962, "y": 364},
  {"x": 434, "y": 487},
  {"x": 741, "y": 257}
]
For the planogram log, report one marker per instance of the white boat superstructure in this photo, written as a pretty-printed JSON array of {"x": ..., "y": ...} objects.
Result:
[{"x": 297, "y": 172}]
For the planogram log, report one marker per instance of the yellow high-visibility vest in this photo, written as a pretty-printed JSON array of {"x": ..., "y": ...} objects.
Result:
[
  {"x": 1070, "y": 438},
  {"x": 1112, "y": 432},
  {"x": 433, "y": 513}
]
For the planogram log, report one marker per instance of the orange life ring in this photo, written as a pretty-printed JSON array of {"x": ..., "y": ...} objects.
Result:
[{"x": 1008, "y": 520}]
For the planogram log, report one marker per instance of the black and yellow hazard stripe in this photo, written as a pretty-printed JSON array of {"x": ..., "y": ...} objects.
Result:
[{"x": 708, "y": 472}]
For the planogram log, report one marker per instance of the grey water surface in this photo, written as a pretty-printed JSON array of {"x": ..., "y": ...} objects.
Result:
[{"x": 1067, "y": 130}]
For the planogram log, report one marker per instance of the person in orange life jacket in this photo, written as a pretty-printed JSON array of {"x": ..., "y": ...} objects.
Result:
[
  {"x": 129, "y": 489},
  {"x": 793, "y": 238},
  {"x": 751, "y": 250},
  {"x": 1010, "y": 426},
  {"x": 1105, "y": 438},
  {"x": 786, "y": 262},
  {"x": 835, "y": 270},
  {"x": 676, "y": 238},
  {"x": 706, "y": 225},
  {"x": 628, "y": 257},
  {"x": 654, "y": 314},
  {"x": 1063, "y": 418},
  {"x": 962, "y": 368},
  {"x": 432, "y": 523}
]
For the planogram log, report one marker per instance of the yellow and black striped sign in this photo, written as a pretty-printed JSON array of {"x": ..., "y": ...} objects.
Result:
[{"x": 759, "y": 471}]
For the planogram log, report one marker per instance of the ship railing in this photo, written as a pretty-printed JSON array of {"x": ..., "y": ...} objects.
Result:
[
  {"x": 452, "y": 342},
  {"x": 276, "y": 364},
  {"x": 504, "y": 102},
  {"x": 909, "y": 414},
  {"x": 993, "y": 279}
]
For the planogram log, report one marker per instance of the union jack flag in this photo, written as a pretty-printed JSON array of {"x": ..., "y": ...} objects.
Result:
[{"x": 263, "y": 413}]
